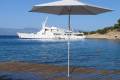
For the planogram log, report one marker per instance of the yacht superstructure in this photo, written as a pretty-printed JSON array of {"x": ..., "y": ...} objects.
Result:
[{"x": 52, "y": 33}]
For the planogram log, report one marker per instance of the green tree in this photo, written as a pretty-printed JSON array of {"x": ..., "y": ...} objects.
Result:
[{"x": 119, "y": 22}]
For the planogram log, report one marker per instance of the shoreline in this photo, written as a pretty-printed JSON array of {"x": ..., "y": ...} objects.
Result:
[
  {"x": 115, "y": 35},
  {"x": 53, "y": 72}
]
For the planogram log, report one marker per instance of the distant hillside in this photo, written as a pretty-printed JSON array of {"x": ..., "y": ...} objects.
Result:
[
  {"x": 112, "y": 32},
  {"x": 12, "y": 31},
  {"x": 115, "y": 27}
]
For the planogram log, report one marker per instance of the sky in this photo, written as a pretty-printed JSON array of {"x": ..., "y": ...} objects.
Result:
[{"x": 14, "y": 14}]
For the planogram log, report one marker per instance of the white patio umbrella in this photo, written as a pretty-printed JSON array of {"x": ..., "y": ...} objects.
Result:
[{"x": 69, "y": 7}]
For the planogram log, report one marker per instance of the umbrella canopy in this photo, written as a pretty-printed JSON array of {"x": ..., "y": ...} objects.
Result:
[
  {"x": 73, "y": 7},
  {"x": 69, "y": 7}
]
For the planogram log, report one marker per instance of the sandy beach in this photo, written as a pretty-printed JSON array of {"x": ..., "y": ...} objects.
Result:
[{"x": 50, "y": 72}]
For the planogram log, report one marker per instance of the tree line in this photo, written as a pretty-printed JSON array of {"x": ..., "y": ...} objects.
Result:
[{"x": 106, "y": 29}]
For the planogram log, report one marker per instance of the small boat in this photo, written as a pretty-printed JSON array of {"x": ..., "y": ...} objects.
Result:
[{"x": 52, "y": 33}]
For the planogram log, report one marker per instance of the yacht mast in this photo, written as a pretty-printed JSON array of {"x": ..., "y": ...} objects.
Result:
[{"x": 44, "y": 23}]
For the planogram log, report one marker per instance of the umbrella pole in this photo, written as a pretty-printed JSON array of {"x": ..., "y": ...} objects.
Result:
[
  {"x": 68, "y": 59},
  {"x": 69, "y": 29}
]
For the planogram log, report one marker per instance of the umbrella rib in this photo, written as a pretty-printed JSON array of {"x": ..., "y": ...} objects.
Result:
[
  {"x": 62, "y": 10},
  {"x": 88, "y": 10}
]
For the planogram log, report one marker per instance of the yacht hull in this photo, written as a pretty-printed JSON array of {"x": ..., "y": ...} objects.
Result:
[{"x": 35, "y": 36}]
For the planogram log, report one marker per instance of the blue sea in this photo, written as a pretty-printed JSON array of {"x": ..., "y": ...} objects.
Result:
[{"x": 88, "y": 53}]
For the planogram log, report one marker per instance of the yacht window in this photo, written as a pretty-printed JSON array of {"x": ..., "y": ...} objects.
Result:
[
  {"x": 67, "y": 34},
  {"x": 78, "y": 34},
  {"x": 46, "y": 29},
  {"x": 56, "y": 34}
]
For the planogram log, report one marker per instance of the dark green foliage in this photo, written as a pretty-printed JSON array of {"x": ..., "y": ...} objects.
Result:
[
  {"x": 92, "y": 32},
  {"x": 102, "y": 31},
  {"x": 117, "y": 26},
  {"x": 86, "y": 33},
  {"x": 119, "y": 22}
]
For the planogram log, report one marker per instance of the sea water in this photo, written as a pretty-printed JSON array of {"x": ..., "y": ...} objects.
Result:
[{"x": 89, "y": 53}]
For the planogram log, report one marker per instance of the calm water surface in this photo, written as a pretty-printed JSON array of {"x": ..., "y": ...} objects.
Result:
[{"x": 92, "y": 53}]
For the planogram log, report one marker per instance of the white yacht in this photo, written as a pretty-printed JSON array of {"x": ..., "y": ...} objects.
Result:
[{"x": 52, "y": 33}]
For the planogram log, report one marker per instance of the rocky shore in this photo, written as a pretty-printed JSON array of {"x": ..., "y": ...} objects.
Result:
[
  {"x": 109, "y": 35},
  {"x": 50, "y": 72}
]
